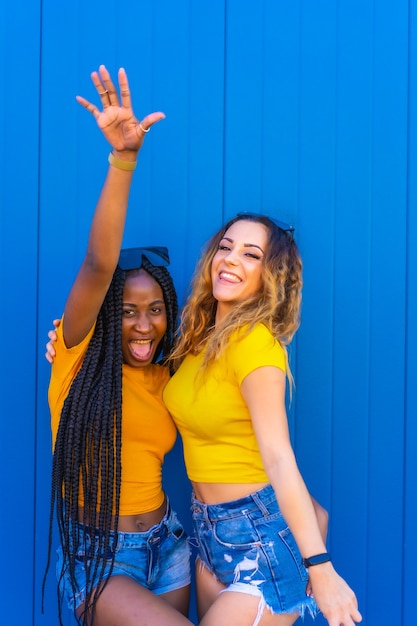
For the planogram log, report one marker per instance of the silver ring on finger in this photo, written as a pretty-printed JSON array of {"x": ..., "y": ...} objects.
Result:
[{"x": 145, "y": 130}]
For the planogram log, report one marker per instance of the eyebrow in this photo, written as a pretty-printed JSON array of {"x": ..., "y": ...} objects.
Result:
[
  {"x": 135, "y": 306},
  {"x": 246, "y": 245}
]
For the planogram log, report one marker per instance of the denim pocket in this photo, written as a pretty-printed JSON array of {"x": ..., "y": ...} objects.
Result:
[
  {"x": 290, "y": 544},
  {"x": 175, "y": 528},
  {"x": 236, "y": 532}
]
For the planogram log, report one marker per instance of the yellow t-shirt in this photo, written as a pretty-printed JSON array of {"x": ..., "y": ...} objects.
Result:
[
  {"x": 208, "y": 409},
  {"x": 148, "y": 431}
]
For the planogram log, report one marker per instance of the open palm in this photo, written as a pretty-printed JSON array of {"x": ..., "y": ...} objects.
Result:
[{"x": 116, "y": 119}]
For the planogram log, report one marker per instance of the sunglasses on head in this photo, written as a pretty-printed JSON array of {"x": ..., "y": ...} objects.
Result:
[
  {"x": 286, "y": 228},
  {"x": 132, "y": 258}
]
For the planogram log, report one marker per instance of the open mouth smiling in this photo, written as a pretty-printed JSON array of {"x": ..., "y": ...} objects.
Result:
[
  {"x": 141, "y": 349},
  {"x": 229, "y": 277}
]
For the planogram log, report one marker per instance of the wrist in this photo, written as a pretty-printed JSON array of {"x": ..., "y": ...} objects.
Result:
[
  {"x": 125, "y": 160},
  {"x": 317, "y": 559},
  {"x": 125, "y": 155}
]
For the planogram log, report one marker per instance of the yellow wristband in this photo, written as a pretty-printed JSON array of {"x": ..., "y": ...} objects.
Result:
[{"x": 127, "y": 166}]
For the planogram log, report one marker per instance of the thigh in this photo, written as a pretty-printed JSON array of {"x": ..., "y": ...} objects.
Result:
[
  {"x": 242, "y": 609},
  {"x": 123, "y": 602},
  {"x": 179, "y": 599},
  {"x": 208, "y": 588}
]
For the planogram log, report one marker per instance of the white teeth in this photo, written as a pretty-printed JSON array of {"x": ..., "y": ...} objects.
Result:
[
  {"x": 141, "y": 341},
  {"x": 228, "y": 276}
]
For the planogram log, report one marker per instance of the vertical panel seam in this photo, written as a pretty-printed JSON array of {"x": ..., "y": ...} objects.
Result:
[
  {"x": 406, "y": 300},
  {"x": 223, "y": 169},
  {"x": 369, "y": 347},
  {"x": 37, "y": 304}
]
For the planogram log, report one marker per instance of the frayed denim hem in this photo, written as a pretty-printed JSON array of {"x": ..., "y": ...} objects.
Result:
[{"x": 307, "y": 606}]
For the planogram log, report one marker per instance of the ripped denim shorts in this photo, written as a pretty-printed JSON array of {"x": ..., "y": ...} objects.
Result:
[
  {"x": 248, "y": 547},
  {"x": 158, "y": 559}
]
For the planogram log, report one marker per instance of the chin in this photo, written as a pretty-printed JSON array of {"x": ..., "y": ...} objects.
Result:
[{"x": 142, "y": 363}]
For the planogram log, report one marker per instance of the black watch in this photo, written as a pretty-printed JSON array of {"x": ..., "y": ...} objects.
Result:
[{"x": 317, "y": 559}]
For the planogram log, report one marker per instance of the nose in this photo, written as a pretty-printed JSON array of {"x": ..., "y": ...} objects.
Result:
[
  {"x": 231, "y": 257},
  {"x": 142, "y": 323}
]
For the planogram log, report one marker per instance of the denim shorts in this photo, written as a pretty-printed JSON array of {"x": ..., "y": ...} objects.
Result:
[
  {"x": 158, "y": 559},
  {"x": 249, "y": 548}
]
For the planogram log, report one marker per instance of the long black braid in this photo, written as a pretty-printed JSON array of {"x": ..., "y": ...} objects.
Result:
[{"x": 88, "y": 443}]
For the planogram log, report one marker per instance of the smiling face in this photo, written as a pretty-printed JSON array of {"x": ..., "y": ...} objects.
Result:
[
  {"x": 236, "y": 270},
  {"x": 144, "y": 318}
]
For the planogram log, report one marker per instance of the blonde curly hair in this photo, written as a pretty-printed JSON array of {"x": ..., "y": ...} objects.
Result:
[{"x": 276, "y": 305}]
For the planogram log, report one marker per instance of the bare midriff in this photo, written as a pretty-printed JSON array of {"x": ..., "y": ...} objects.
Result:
[
  {"x": 215, "y": 493},
  {"x": 138, "y": 523}
]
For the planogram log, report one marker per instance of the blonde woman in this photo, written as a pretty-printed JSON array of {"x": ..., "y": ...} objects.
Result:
[{"x": 262, "y": 558}]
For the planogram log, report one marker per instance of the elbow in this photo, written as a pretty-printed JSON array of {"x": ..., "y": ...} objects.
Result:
[
  {"x": 279, "y": 464},
  {"x": 322, "y": 516}
]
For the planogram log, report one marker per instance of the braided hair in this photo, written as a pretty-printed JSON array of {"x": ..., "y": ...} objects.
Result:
[{"x": 87, "y": 453}]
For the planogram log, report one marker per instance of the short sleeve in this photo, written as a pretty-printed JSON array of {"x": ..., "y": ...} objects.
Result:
[
  {"x": 258, "y": 348},
  {"x": 67, "y": 363},
  {"x": 78, "y": 351}
]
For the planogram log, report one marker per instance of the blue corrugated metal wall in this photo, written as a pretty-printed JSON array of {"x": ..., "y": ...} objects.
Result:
[{"x": 304, "y": 110}]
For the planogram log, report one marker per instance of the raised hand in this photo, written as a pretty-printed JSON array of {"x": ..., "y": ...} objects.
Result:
[{"x": 116, "y": 120}]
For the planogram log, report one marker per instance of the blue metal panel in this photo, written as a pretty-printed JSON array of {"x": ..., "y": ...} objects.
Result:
[
  {"x": 243, "y": 107},
  {"x": 387, "y": 306},
  {"x": 19, "y": 131},
  {"x": 410, "y": 433},
  {"x": 316, "y": 217},
  {"x": 316, "y": 185},
  {"x": 351, "y": 293}
]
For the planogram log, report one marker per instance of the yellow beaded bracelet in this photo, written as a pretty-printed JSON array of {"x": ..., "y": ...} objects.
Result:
[{"x": 127, "y": 166}]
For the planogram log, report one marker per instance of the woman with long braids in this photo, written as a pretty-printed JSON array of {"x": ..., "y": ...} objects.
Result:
[{"x": 123, "y": 557}]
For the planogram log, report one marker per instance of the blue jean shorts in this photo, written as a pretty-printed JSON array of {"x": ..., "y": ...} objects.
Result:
[
  {"x": 158, "y": 559},
  {"x": 249, "y": 548}
]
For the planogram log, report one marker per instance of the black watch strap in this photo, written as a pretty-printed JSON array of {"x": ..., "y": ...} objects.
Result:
[{"x": 317, "y": 559}]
